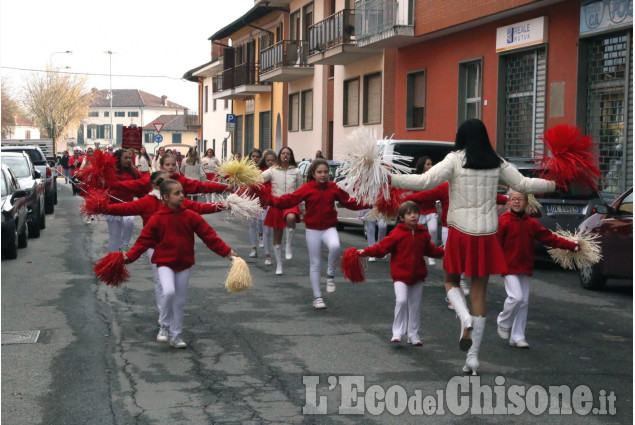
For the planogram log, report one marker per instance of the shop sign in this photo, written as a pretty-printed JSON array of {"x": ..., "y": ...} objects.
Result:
[
  {"x": 602, "y": 15},
  {"x": 521, "y": 34}
]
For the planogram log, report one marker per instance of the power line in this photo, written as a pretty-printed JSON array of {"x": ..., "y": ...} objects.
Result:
[{"x": 94, "y": 74}]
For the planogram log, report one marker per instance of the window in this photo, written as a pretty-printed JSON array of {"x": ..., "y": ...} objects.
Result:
[
  {"x": 294, "y": 27},
  {"x": 249, "y": 132},
  {"x": 372, "y": 98},
  {"x": 120, "y": 114},
  {"x": 351, "y": 102},
  {"x": 416, "y": 100},
  {"x": 307, "y": 110},
  {"x": 307, "y": 12},
  {"x": 176, "y": 137},
  {"x": 148, "y": 138},
  {"x": 294, "y": 111},
  {"x": 213, "y": 105},
  {"x": 27, "y": 134},
  {"x": 93, "y": 114},
  {"x": 106, "y": 114},
  {"x": 265, "y": 130},
  {"x": 133, "y": 113},
  {"x": 237, "y": 145},
  {"x": 225, "y": 104},
  {"x": 470, "y": 83},
  {"x": 96, "y": 131},
  {"x": 206, "y": 94}
]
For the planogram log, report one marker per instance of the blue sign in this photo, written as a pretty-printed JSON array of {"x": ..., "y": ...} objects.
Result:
[
  {"x": 157, "y": 138},
  {"x": 231, "y": 119}
]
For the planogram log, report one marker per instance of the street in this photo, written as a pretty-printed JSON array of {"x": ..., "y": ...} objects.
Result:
[{"x": 267, "y": 356}]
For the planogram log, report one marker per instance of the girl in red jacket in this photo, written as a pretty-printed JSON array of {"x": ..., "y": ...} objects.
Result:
[
  {"x": 170, "y": 231},
  {"x": 408, "y": 244},
  {"x": 120, "y": 228},
  {"x": 516, "y": 233},
  {"x": 320, "y": 218}
]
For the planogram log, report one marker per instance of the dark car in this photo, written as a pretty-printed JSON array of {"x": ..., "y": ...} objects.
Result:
[
  {"x": 46, "y": 168},
  {"x": 30, "y": 180},
  {"x": 14, "y": 225},
  {"x": 614, "y": 225}
]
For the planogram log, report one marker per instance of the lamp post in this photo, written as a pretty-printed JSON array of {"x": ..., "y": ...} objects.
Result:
[
  {"x": 67, "y": 52},
  {"x": 110, "y": 53}
]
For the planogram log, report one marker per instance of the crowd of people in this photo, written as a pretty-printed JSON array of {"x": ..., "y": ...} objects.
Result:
[{"x": 474, "y": 245}]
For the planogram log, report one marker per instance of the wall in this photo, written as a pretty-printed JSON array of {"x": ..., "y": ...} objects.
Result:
[{"x": 214, "y": 121}]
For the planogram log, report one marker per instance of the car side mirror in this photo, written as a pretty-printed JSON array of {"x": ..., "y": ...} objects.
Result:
[
  {"x": 37, "y": 174},
  {"x": 603, "y": 209},
  {"x": 20, "y": 193}
]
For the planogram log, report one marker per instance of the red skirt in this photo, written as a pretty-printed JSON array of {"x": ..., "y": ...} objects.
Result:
[
  {"x": 276, "y": 218},
  {"x": 475, "y": 256},
  {"x": 211, "y": 176}
]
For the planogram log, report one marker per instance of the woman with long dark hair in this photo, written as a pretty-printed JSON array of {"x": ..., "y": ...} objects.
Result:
[
  {"x": 120, "y": 228},
  {"x": 473, "y": 170}
]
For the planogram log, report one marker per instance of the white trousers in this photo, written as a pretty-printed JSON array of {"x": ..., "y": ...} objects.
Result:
[
  {"x": 407, "y": 310},
  {"x": 314, "y": 240},
  {"x": 369, "y": 226},
  {"x": 514, "y": 314},
  {"x": 444, "y": 234},
  {"x": 158, "y": 291},
  {"x": 267, "y": 233},
  {"x": 255, "y": 229},
  {"x": 174, "y": 286},
  {"x": 430, "y": 220},
  {"x": 119, "y": 231}
]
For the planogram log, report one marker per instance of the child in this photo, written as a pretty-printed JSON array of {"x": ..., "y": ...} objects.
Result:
[
  {"x": 120, "y": 228},
  {"x": 255, "y": 225},
  {"x": 408, "y": 244},
  {"x": 170, "y": 231},
  {"x": 319, "y": 195},
  {"x": 373, "y": 225},
  {"x": 269, "y": 158},
  {"x": 516, "y": 233}
]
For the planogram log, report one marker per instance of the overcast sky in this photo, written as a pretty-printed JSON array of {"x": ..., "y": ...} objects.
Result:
[{"x": 149, "y": 38}]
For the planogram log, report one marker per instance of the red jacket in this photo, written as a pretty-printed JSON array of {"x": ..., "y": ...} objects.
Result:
[
  {"x": 516, "y": 235},
  {"x": 125, "y": 195},
  {"x": 171, "y": 234},
  {"x": 150, "y": 204},
  {"x": 320, "y": 203},
  {"x": 142, "y": 186},
  {"x": 407, "y": 248},
  {"x": 426, "y": 200},
  {"x": 74, "y": 162}
]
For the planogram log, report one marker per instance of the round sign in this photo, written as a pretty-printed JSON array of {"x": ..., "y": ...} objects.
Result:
[{"x": 158, "y": 138}]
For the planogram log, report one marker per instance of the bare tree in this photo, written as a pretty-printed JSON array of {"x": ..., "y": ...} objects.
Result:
[
  {"x": 10, "y": 109},
  {"x": 56, "y": 102}
]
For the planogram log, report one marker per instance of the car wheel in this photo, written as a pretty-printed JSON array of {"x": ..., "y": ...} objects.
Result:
[
  {"x": 23, "y": 238},
  {"x": 339, "y": 226},
  {"x": 42, "y": 220},
  {"x": 34, "y": 228},
  {"x": 49, "y": 204},
  {"x": 591, "y": 277},
  {"x": 11, "y": 250},
  {"x": 55, "y": 192}
]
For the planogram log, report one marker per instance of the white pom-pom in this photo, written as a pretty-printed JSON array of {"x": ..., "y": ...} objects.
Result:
[
  {"x": 533, "y": 206},
  {"x": 589, "y": 253},
  {"x": 365, "y": 169},
  {"x": 243, "y": 207}
]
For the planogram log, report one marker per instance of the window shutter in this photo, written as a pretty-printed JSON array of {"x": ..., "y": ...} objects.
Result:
[
  {"x": 307, "y": 110},
  {"x": 419, "y": 90},
  {"x": 373, "y": 99},
  {"x": 352, "y": 102},
  {"x": 294, "y": 109}
]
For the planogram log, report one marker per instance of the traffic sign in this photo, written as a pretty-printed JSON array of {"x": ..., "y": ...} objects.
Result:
[
  {"x": 158, "y": 126},
  {"x": 230, "y": 122},
  {"x": 157, "y": 138}
]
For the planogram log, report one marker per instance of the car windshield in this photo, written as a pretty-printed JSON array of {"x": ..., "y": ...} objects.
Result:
[
  {"x": 626, "y": 206},
  {"x": 575, "y": 190},
  {"x": 18, "y": 165}
]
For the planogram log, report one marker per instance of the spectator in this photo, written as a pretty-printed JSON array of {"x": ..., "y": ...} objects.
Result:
[
  {"x": 318, "y": 154},
  {"x": 66, "y": 166}
]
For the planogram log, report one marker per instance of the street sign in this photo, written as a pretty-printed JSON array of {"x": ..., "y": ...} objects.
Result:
[
  {"x": 157, "y": 138},
  {"x": 230, "y": 122},
  {"x": 158, "y": 126}
]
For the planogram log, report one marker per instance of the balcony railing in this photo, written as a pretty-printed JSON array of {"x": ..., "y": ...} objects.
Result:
[
  {"x": 243, "y": 74},
  {"x": 284, "y": 53},
  {"x": 376, "y": 16},
  {"x": 337, "y": 29}
]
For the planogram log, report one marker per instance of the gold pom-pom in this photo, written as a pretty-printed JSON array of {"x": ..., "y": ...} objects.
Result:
[
  {"x": 239, "y": 277},
  {"x": 590, "y": 251},
  {"x": 243, "y": 173},
  {"x": 533, "y": 206}
]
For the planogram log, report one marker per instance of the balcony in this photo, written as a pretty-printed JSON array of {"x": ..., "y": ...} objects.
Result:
[
  {"x": 285, "y": 61},
  {"x": 238, "y": 82},
  {"x": 332, "y": 41},
  {"x": 384, "y": 23}
]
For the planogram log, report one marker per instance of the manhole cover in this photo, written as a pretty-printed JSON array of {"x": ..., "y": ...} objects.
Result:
[{"x": 20, "y": 337}]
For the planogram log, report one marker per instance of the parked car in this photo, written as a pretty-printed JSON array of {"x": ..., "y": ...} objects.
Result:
[
  {"x": 614, "y": 224},
  {"x": 29, "y": 180},
  {"x": 14, "y": 224},
  {"x": 46, "y": 168},
  {"x": 333, "y": 166}
]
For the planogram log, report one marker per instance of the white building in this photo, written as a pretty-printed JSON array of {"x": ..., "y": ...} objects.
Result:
[{"x": 23, "y": 129}]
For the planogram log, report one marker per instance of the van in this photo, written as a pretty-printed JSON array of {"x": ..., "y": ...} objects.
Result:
[{"x": 436, "y": 150}]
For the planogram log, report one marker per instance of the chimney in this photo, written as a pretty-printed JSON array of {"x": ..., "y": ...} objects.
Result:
[{"x": 164, "y": 100}]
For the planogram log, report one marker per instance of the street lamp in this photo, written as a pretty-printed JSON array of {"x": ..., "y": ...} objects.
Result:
[
  {"x": 110, "y": 53},
  {"x": 67, "y": 52}
]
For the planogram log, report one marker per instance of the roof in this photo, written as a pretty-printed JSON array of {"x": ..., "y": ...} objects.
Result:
[
  {"x": 172, "y": 123},
  {"x": 189, "y": 75},
  {"x": 131, "y": 98},
  {"x": 252, "y": 15},
  {"x": 22, "y": 121}
]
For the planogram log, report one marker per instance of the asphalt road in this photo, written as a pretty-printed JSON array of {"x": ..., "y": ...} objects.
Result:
[{"x": 266, "y": 355}]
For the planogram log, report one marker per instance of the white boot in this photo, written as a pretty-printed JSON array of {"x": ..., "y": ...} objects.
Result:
[
  {"x": 277, "y": 250},
  {"x": 456, "y": 297},
  {"x": 288, "y": 251},
  {"x": 465, "y": 286},
  {"x": 471, "y": 361}
]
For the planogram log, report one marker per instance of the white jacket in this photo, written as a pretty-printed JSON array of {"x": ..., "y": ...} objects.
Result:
[
  {"x": 472, "y": 208},
  {"x": 192, "y": 171},
  {"x": 283, "y": 181}
]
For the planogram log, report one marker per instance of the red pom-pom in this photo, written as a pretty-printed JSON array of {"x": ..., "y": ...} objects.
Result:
[
  {"x": 102, "y": 167},
  {"x": 572, "y": 157},
  {"x": 112, "y": 269},
  {"x": 352, "y": 266},
  {"x": 389, "y": 207},
  {"x": 96, "y": 202}
]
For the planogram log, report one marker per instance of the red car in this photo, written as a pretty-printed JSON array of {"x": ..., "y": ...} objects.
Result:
[{"x": 614, "y": 224}]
